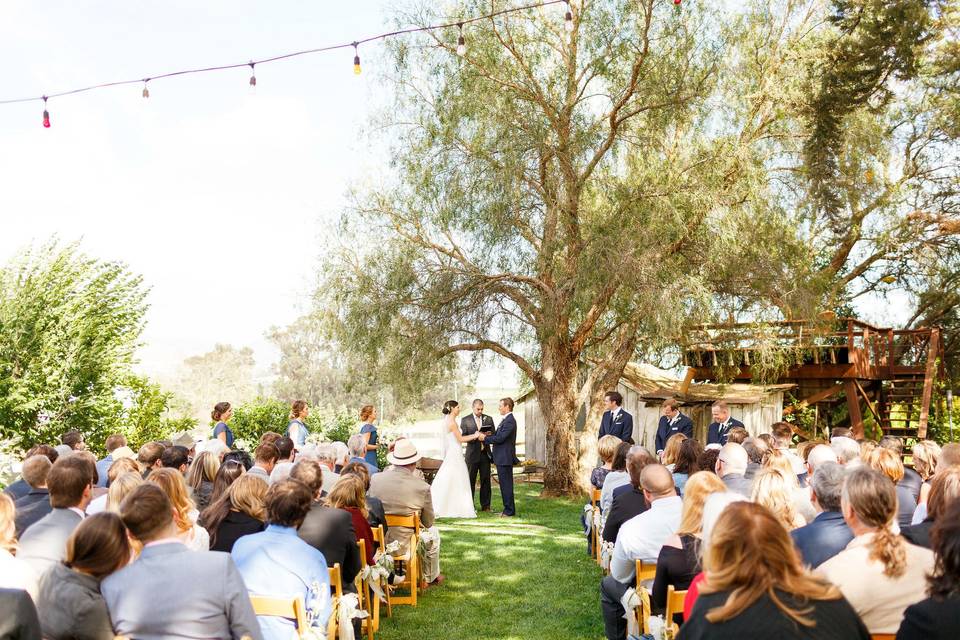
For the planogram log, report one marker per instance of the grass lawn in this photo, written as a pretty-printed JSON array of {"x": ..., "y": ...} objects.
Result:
[{"x": 521, "y": 578}]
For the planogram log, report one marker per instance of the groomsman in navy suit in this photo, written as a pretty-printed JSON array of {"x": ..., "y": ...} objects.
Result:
[
  {"x": 504, "y": 454},
  {"x": 616, "y": 421},
  {"x": 719, "y": 429},
  {"x": 672, "y": 422}
]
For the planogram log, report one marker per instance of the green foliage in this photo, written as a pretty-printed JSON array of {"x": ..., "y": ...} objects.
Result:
[
  {"x": 254, "y": 418},
  {"x": 69, "y": 325}
]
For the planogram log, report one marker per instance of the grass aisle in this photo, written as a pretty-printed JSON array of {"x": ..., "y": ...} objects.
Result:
[{"x": 522, "y": 578}]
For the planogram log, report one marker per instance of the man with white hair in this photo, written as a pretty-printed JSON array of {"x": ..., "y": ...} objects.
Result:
[
  {"x": 847, "y": 450},
  {"x": 326, "y": 455},
  {"x": 731, "y": 467},
  {"x": 357, "y": 446}
]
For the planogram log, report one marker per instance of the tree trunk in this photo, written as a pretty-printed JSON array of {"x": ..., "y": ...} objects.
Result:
[{"x": 558, "y": 403}]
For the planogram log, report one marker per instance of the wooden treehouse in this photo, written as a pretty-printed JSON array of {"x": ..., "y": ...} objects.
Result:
[{"x": 887, "y": 374}]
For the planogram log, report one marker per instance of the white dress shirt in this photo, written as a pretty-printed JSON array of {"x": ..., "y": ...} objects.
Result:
[{"x": 642, "y": 536}]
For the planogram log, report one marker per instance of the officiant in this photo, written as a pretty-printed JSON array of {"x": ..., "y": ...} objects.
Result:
[{"x": 478, "y": 453}]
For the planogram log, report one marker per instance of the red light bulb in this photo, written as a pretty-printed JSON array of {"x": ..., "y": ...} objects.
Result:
[
  {"x": 676, "y": 2},
  {"x": 46, "y": 119}
]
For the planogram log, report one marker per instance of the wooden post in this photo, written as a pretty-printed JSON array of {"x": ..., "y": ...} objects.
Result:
[
  {"x": 932, "y": 350},
  {"x": 853, "y": 406},
  {"x": 687, "y": 379}
]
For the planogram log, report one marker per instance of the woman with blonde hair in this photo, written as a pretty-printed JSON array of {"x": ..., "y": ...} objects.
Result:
[
  {"x": 120, "y": 487},
  {"x": 349, "y": 494},
  {"x": 368, "y": 415},
  {"x": 239, "y": 512},
  {"x": 14, "y": 572},
  {"x": 774, "y": 489},
  {"x": 879, "y": 572},
  {"x": 200, "y": 477},
  {"x": 756, "y": 587},
  {"x": 606, "y": 449},
  {"x": 119, "y": 467},
  {"x": 185, "y": 513},
  {"x": 679, "y": 560},
  {"x": 888, "y": 462},
  {"x": 925, "y": 455},
  {"x": 671, "y": 450}
]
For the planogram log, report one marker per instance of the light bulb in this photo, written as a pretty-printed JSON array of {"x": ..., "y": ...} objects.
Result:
[
  {"x": 568, "y": 22},
  {"x": 461, "y": 42},
  {"x": 356, "y": 60},
  {"x": 46, "y": 114},
  {"x": 253, "y": 80},
  {"x": 146, "y": 92}
]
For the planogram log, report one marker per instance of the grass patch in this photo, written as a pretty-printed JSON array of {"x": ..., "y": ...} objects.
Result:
[{"x": 521, "y": 578}]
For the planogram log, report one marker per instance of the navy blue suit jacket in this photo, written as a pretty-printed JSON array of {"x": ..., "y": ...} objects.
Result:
[
  {"x": 683, "y": 425},
  {"x": 622, "y": 427},
  {"x": 822, "y": 539},
  {"x": 504, "y": 441},
  {"x": 713, "y": 431}
]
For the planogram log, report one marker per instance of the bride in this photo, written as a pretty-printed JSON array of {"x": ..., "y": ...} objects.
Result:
[{"x": 452, "y": 497}]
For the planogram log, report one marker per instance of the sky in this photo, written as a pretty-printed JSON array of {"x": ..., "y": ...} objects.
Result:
[{"x": 220, "y": 199}]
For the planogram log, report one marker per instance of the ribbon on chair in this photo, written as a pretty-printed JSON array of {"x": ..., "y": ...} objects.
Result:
[
  {"x": 347, "y": 612},
  {"x": 606, "y": 554},
  {"x": 631, "y": 600},
  {"x": 588, "y": 512}
]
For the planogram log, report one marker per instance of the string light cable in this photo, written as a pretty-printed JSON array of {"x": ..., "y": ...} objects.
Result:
[{"x": 355, "y": 44}]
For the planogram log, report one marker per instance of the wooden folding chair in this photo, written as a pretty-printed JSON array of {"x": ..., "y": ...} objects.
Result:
[
  {"x": 368, "y": 603},
  {"x": 411, "y": 561},
  {"x": 595, "y": 534},
  {"x": 380, "y": 538},
  {"x": 290, "y": 608},
  {"x": 336, "y": 590},
  {"x": 674, "y": 606},
  {"x": 646, "y": 571},
  {"x": 883, "y": 636}
]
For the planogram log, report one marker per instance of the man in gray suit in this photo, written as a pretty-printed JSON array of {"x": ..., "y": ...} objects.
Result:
[
  {"x": 70, "y": 482},
  {"x": 170, "y": 591},
  {"x": 731, "y": 467}
]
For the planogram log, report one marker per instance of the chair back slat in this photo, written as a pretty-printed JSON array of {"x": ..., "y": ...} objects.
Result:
[
  {"x": 595, "y": 497},
  {"x": 410, "y": 522},
  {"x": 336, "y": 585},
  {"x": 290, "y": 608}
]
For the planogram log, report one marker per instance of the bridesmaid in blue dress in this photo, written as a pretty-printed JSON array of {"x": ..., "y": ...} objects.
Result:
[
  {"x": 297, "y": 428},
  {"x": 368, "y": 414},
  {"x": 222, "y": 412}
]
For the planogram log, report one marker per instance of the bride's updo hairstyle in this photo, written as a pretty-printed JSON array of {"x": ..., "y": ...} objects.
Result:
[{"x": 449, "y": 405}]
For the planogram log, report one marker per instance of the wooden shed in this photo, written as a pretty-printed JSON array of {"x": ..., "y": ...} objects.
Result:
[{"x": 645, "y": 387}]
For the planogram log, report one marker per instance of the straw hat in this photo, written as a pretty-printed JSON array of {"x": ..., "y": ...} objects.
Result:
[{"x": 404, "y": 453}]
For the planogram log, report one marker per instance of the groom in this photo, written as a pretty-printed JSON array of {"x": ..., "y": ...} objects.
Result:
[
  {"x": 478, "y": 453},
  {"x": 504, "y": 442}
]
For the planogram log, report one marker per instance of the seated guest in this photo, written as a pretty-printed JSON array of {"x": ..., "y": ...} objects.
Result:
[
  {"x": 672, "y": 450},
  {"x": 175, "y": 457},
  {"x": 14, "y": 572},
  {"x": 226, "y": 474},
  {"x": 148, "y": 457},
  {"x": 799, "y": 496},
  {"x": 846, "y": 449},
  {"x": 357, "y": 445},
  {"x": 731, "y": 467},
  {"x": 44, "y": 543},
  {"x": 342, "y": 453},
  {"x": 281, "y": 472},
  {"x": 326, "y": 455},
  {"x": 606, "y": 448},
  {"x": 325, "y": 528},
  {"x": 70, "y": 604},
  {"x": 737, "y": 435},
  {"x": 755, "y": 586},
  {"x": 938, "y": 616},
  {"x": 265, "y": 458},
  {"x": 774, "y": 489},
  {"x": 74, "y": 440},
  {"x": 276, "y": 563},
  {"x": 21, "y": 487},
  {"x": 242, "y": 457},
  {"x": 925, "y": 455},
  {"x": 404, "y": 494},
  {"x": 376, "y": 516},
  {"x": 945, "y": 489},
  {"x": 755, "y": 451},
  {"x": 18, "y": 616},
  {"x": 114, "y": 442},
  {"x": 640, "y": 538},
  {"x": 350, "y": 496},
  {"x": 879, "y": 573},
  {"x": 828, "y": 533},
  {"x": 239, "y": 512},
  {"x": 887, "y": 461},
  {"x": 629, "y": 503},
  {"x": 679, "y": 559},
  {"x": 120, "y": 466},
  {"x": 617, "y": 477},
  {"x": 168, "y": 591},
  {"x": 36, "y": 503},
  {"x": 120, "y": 487},
  {"x": 270, "y": 436},
  {"x": 287, "y": 449},
  {"x": 686, "y": 462},
  {"x": 911, "y": 481},
  {"x": 173, "y": 484},
  {"x": 782, "y": 433},
  {"x": 200, "y": 477},
  {"x": 708, "y": 460}
]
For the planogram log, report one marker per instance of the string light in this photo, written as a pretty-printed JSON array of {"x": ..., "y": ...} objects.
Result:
[
  {"x": 146, "y": 91},
  {"x": 568, "y": 19},
  {"x": 461, "y": 42},
  {"x": 46, "y": 114},
  {"x": 253, "y": 78},
  {"x": 356, "y": 59},
  {"x": 676, "y": 5}
]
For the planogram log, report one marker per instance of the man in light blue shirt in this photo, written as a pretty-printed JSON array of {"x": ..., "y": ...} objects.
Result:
[
  {"x": 276, "y": 563},
  {"x": 640, "y": 538},
  {"x": 113, "y": 443}
]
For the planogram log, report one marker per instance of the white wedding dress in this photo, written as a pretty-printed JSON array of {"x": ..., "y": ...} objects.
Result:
[{"x": 451, "y": 493}]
